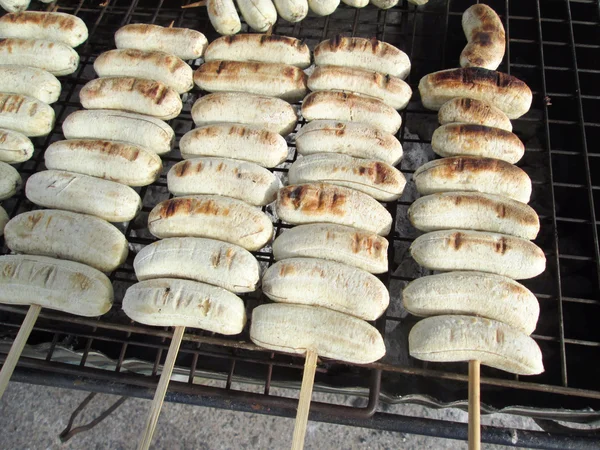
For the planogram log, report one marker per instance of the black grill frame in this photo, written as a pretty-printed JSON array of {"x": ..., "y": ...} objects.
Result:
[{"x": 558, "y": 70}]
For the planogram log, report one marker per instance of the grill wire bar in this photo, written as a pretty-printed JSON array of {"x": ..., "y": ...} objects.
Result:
[{"x": 551, "y": 46}]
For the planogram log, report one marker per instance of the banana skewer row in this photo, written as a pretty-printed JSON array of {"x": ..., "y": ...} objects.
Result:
[
  {"x": 477, "y": 220},
  {"x": 261, "y": 15}
]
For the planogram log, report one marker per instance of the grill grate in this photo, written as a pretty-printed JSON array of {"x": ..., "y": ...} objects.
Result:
[{"x": 553, "y": 46}]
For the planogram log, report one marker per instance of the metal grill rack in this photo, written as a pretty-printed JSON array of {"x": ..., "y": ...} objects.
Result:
[{"x": 554, "y": 47}]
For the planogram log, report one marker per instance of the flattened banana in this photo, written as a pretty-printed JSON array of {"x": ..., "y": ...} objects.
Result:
[
  {"x": 67, "y": 235},
  {"x": 327, "y": 203},
  {"x": 207, "y": 260},
  {"x": 54, "y": 283},
  {"x": 185, "y": 303},
  {"x": 482, "y": 251},
  {"x": 214, "y": 217},
  {"x": 15, "y": 147},
  {"x": 474, "y": 294},
  {"x": 375, "y": 178},
  {"x": 367, "y": 251},
  {"x": 221, "y": 176},
  {"x": 349, "y": 138},
  {"x": 75, "y": 192},
  {"x": 297, "y": 328},
  {"x": 317, "y": 282},
  {"x": 116, "y": 161},
  {"x": 463, "y": 338},
  {"x": 229, "y": 140},
  {"x": 10, "y": 181},
  {"x": 474, "y": 211}
]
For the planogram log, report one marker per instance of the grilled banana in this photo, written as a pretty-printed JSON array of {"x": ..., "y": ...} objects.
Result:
[
  {"x": 67, "y": 235},
  {"x": 171, "y": 302},
  {"x": 318, "y": 282},
  {"x": 54, "y": 283},
  {"x": 463, "y": 338},
  {"x": 297, "y": 328},
  {"x": 209, "y": 261}
]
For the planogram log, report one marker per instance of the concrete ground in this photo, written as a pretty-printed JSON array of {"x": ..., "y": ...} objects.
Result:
[{"x": 31, "y": 417}]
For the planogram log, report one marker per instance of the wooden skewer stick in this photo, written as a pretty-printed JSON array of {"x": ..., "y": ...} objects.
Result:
[
  {"x": 474, "y": 407},
  {"x": 17, "y": 348},
  {"x": 308, "y": 380},
  {"x": 194, "y": 5},
  {"x": 269, "y": 31},
  {"x": 171, "y": 24},
  {"x": 161, "y": 389}
]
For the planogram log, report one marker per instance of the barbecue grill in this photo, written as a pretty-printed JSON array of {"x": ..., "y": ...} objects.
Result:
[{"x": 554, "y": 46}]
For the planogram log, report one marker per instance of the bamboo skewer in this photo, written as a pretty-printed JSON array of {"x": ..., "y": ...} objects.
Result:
[
  {"x": 195, "y": 4},
  {"x": 308, "y": 380},
  {"x": 17, "y": 347},
  {"x": 474, "y": 406},
  {"x": 161, "y": 389}
]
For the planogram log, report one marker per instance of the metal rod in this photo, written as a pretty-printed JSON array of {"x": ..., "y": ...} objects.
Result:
[{"x": 250, "y": 402}]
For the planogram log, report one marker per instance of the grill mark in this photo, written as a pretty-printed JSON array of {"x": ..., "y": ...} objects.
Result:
[
  {"x": 370, "y": 244},
  {"x": 355, "y": 243},
  {"x": 33, "y": 219},
  {"x": 11, "y": 104},
  {"x": 209, "y": 131},
  {"x": 230, "y": 255},
  {"x": 81, "y": 281},
  {"x": 162, "y": 93},
  {"x": 46, "y": 20},
  {"x": 501, "y": 246},
  {"x": 501, "y": 209},
  {"x": 483, "y": 38},
  {"x": 277, "y": 38},
  {"x": 8, "y": 271},
  {"x": 377, "y": 172},
  {"x": 317, "y": 200},
  {"x": 171, "y": 62},
  {"x": 49, "y": 275},
  {"x": 499, "y": 336},
  {"x": 240, "y": 131},
  {"x": 295, "y": 195},
  {"x": 449, "y": 167},
  {"x": 456, "y": 241},
  {"x": 171, "y": 209},
  {"x": 216, "y": 258},
  {"x": 33, "y": 109},
  {"x": 290, "y": 72},
  {"x": 110, "y": 148},
  {"x": 286, "y": 269},
  {"x": 183, "y": 168},
  {"x": 476, "y": 76},
  {"x": 336, "y": 42},
  {"x": 382, "y": 173},
  {"x": 209, "y": 207}
]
